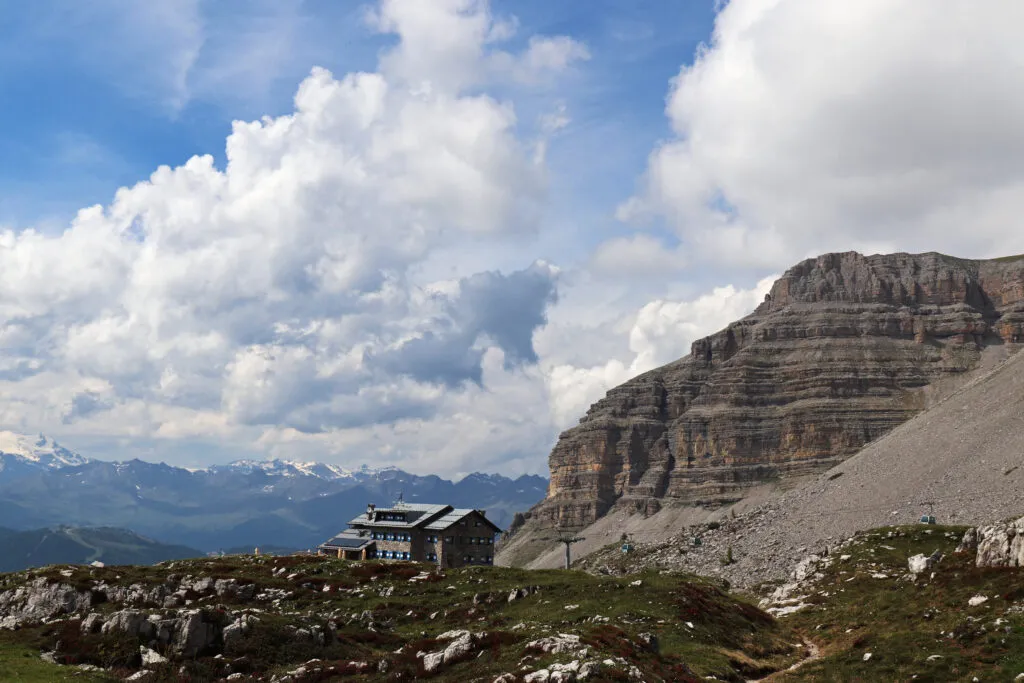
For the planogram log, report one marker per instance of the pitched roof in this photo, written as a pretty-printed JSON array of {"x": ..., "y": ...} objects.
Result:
[
  {"x": 455, "y": 516},
  {"x": 348, "y": 540},
  {"x": 416, "y": 514}
]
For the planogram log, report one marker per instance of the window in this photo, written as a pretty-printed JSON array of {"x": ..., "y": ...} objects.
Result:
[
  {"x": 467, "y": 558},
  {"x": 449, "y": 539},
  {"x": 489, "y": 540},
  {"x": 476, "y": 523},
  {"x": 405, "y": 556}
]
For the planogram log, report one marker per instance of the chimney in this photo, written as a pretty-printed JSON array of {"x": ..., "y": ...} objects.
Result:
[{"x": 369, "y": 512}]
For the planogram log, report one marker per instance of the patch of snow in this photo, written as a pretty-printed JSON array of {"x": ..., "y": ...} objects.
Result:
[{"x": 40, "y": 451}]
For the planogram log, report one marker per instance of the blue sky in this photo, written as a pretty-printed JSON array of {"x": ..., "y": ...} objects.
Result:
[
  {"x": 80, "y": 126},
  {"x": 448, "y": 227}
]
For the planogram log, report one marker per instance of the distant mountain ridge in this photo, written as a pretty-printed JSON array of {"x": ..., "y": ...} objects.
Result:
[
  {"x": 245, "y": 503},
  {"x": 82, "y": 545},
  {"x": 293, "y": 468}
]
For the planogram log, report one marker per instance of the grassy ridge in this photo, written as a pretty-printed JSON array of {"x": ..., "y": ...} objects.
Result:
[
  {"x": 919, "y": 629},
  {"x": 39, "y": 547},
  {"x": 389, "y": 611}
]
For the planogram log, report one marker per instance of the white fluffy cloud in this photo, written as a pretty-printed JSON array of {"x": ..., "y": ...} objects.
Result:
[
  {"x": 358, "y": 282},
  {"x": 275, "y": 295},
  {"x": 816, "y": 125},
  {"x": 659, "y": 332}
]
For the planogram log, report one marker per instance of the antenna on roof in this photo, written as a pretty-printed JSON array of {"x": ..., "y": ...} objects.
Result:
[{"x": 399, "y": 501}]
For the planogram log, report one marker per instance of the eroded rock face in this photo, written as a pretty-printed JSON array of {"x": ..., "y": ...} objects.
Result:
[
  {"x": 831, "y": 360},
  {"x": 40, "y": 601},
  {"x": 1001, "y": 545}
]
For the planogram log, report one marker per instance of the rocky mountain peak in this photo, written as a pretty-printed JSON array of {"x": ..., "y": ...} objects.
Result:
[
  {"x": 898, "y": 280},
  {"x": 38, "y": 451},
  {"x": 844, "y": 348}
]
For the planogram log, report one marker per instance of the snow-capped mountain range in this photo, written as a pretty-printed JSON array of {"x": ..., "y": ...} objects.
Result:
[
  {"x": 294, "y": 468},
  {"x": 35, "y": 452},
  {"x": 285, "y": 503},
  {"x": 26, "y": 452}
]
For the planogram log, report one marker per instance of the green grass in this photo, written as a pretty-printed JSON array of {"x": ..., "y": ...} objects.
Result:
[
  {"x": 853, "y": 610},
  {"x": 1007, "y": 259},
  {"x": 726, "y": 637},
  {"x": 904, "y": 622},
  {"x": 21, "y": 664}
]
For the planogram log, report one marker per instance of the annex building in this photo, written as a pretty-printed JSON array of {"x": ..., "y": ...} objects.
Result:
[{"x": 447, "y": 536}]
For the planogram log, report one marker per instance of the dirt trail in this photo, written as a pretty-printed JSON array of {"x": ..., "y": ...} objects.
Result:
[{"x": 813, "y": 653}]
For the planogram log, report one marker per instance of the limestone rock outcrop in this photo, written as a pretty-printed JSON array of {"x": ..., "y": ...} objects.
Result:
[
  {"x": 835, "y": 357},
  {"x": 1000, "y": 545}
]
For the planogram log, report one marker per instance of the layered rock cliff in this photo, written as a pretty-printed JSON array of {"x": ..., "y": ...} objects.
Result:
[{"x": 835, "y": 357}]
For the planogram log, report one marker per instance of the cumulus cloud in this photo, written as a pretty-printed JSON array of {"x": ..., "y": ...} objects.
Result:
[
  {"x": 277, "y": 295},
  {"x": 659, "y": 332},
  {"x": 815, "y": 125}
]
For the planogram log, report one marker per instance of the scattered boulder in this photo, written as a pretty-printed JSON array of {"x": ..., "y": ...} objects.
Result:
[
  {"x": 519, "y": 593},
  {"x": 461, "y": 644},
  {"x": 922, "y": 563},
  {"x": 969, "y": 543},
  {"x": 553, "y": 645},
  {"x": 41, "y": 600},
  {"x": 151, "y": 657},
  {"x": 433, "y": 661},
  {"x": 92, "y": 623},
  {"x": 1001, "y": 545},
  {"x": 238, "y": 629}
]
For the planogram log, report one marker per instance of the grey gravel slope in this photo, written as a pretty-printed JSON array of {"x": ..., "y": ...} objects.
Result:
[{"x": 965, "y": 455}]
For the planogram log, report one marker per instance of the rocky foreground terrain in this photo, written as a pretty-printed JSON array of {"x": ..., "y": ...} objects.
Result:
[
  {"x": 302, "y": 619},
  {"x": 844, "y": 349},
  {"x": 921, "y": 602},
  {"x": 917, "y": 602}
]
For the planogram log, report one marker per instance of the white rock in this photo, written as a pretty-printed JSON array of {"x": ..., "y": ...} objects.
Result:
[
  {"x": 433, "y": 661},
  {"x": 867, "y": 656},
  {"x": 563, "y": 642},
  {"x": 919, "y": 563},
  {"x": 1001, "y": 545},
  {"x": 977, "y": 600},
  {"x": 150, "y": 657}
]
